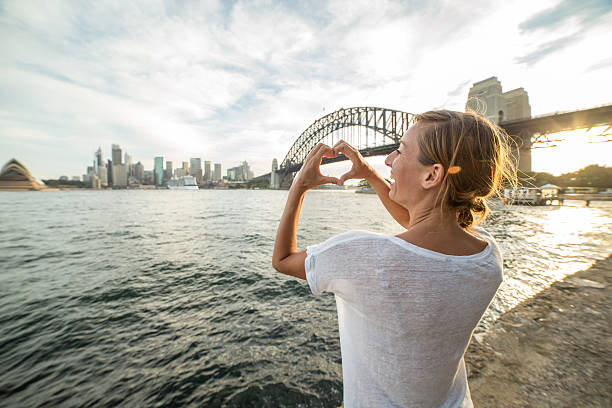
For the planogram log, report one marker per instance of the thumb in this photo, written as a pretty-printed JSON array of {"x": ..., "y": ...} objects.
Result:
[
  {"x": 329, "y": 180},
  {"x": 346, "y": 176}
]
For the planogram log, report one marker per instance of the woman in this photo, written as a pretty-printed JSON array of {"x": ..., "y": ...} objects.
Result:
[{"x": 407, "y": 304}]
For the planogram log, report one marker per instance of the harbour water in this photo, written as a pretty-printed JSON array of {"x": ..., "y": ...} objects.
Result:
[{"x": 168, "y": 298}]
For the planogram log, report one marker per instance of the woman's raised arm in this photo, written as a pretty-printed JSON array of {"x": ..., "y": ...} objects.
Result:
[
  {"x": 362, "y": 170},
  {"x": 286, "y": 258}
]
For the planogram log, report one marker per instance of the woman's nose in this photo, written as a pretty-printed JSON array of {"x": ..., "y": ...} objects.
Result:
[{"x": 389, "y": 159}]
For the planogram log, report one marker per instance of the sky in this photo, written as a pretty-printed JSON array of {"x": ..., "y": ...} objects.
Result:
[{"x": 230, "y": 81}]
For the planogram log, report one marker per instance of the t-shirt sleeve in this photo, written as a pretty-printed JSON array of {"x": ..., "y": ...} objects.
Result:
[
  {"x": 327, "y": 262},
  {"x": 496, "y": 249}
]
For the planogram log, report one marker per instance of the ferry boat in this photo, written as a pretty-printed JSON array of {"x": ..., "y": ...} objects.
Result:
[
  {"x": 544, "y": 195},
  {"x": 365, "y": 190},
  {"x": 183, "y": 183}
]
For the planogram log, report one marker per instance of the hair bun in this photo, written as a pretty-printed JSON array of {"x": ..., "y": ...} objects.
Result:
[{"x": 478, "y": 205}]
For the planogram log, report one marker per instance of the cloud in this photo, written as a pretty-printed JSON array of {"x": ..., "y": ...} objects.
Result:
[
  {"x": 546, "y": 49},
  {"x": 568, "y": 23},
  {"x": 460, "y": 89},
  {"x": 585, "y": 12},
  {"x": 604, "y": 63}
]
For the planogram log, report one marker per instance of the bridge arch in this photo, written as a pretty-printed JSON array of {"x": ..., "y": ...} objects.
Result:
[{"x": 383, "y": 127}]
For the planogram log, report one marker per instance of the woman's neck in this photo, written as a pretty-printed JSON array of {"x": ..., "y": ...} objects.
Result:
[{"x": 433, "y": 219}]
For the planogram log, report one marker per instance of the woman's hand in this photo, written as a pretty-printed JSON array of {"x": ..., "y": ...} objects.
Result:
[
  {"x": 310, "y": 175},
  {"x": 360, "y": 170}
]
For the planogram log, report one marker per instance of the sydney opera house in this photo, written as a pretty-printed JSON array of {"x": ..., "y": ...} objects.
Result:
[{"x": 16, "y": 177}]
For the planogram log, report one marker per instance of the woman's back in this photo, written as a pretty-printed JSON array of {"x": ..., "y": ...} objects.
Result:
[{"x": 405, "y": 315}]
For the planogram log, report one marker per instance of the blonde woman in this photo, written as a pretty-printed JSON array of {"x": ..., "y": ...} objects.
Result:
[{"x": 408, "y": 303}]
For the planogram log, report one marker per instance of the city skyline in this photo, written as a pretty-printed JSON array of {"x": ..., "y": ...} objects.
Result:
[
  {"x": 241, "y": 81},
  {"x": 121, "y": 166}
]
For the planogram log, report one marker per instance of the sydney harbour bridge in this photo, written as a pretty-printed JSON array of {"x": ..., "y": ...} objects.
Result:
[{"x": 377, "y": 131}]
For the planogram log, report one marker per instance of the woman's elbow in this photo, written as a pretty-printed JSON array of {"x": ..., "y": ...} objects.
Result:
[{"x": 276, "y": 264}]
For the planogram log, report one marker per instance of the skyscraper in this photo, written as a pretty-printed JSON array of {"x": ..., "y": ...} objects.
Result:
[
  {"x": 158, "y": 170},
  {"x": 99, "y": 157},
  {"x": 120, "y": 177},
  {"x": 217, "y": 174},
  {"x": 116, "y": 154},
  {"x": 195, "y": 163},
  {"x": 195, "y": 168},
  {"x": 127, "y": 158},
  {"x": 109, "y": 172},
  {"x": 186, "y": 167},
  {"x": 168, "y": 172},
  {"x": 139, "y": 172},
  {"x": 103, "y": 175},
  {"x": 207, "y": 173}
]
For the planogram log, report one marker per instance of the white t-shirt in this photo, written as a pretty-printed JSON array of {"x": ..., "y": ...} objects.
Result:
[{"x": 406, "y": 315}]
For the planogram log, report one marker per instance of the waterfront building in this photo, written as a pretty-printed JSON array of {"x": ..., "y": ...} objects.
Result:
[
  {"x": 120, "y": 176},
  {"x": 138, "y": 172},
  {"x": 14, "y": 176},
  {"x": 102, "y": 174},
  {"x": 94, "y": 182},
  {"x": 109, "y": 172},
  {"x": 180, "y": 172},
  {"x": 116, "y": 149},
  {"x": 486, "y": 97},
  {"x": 195, "y": 168},
  {"x": 127, "y": 159},
  {"x": 158, "y": 170},
  {"x": 217, "y": 174},
  {"x": 240, "y": 173},
  {"x": 168, "y": 171},
  {"x": 246, "y": 171},
  {"x": 148, "y": 177},
  {"x": 186, "y": 167},
  {"x": 133, "y": 181},
  {"x": 207, "y": 174},
  {"x": 274, "y": 176}
]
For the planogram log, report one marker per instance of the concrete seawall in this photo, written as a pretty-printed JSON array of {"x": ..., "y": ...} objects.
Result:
[{"x": 554, "y": 349}]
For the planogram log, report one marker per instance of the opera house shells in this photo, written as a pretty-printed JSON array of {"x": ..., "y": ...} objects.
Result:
[{"x": 16, "y": 177}]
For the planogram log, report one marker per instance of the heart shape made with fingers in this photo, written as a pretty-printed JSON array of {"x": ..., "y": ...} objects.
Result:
[{"x": 336, "y": 169}]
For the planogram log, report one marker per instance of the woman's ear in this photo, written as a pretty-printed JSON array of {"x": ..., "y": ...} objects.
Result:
[{"x": 433, "y": 176}]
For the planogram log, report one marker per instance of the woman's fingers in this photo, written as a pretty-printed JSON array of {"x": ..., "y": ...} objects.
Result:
[
  {"x": 319, "y": 151},
  {"x": 346, "y": 176},
  {"x": 331, "y": 180},
  {"x": 345, "y": 148}
]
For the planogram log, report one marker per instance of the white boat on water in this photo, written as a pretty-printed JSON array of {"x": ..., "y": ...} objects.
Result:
[
  {"x": 544, "y": 195},
  {"x": 183, "y": 183}
]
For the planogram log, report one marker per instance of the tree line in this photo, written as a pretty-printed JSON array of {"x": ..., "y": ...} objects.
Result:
[{"x": 590, "y": 176}]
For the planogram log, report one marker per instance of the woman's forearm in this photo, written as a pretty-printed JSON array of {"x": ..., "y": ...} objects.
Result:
[
  {"x": 380, "y": 185},
  {"x": 286, "y": 236},
  {"x": 285, "y": 257}
]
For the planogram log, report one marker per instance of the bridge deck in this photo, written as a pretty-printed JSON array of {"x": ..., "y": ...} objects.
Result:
[{"x": 557, "y": 122}]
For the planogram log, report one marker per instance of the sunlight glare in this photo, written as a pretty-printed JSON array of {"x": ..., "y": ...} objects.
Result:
[{"x": 573, "y": 151}]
